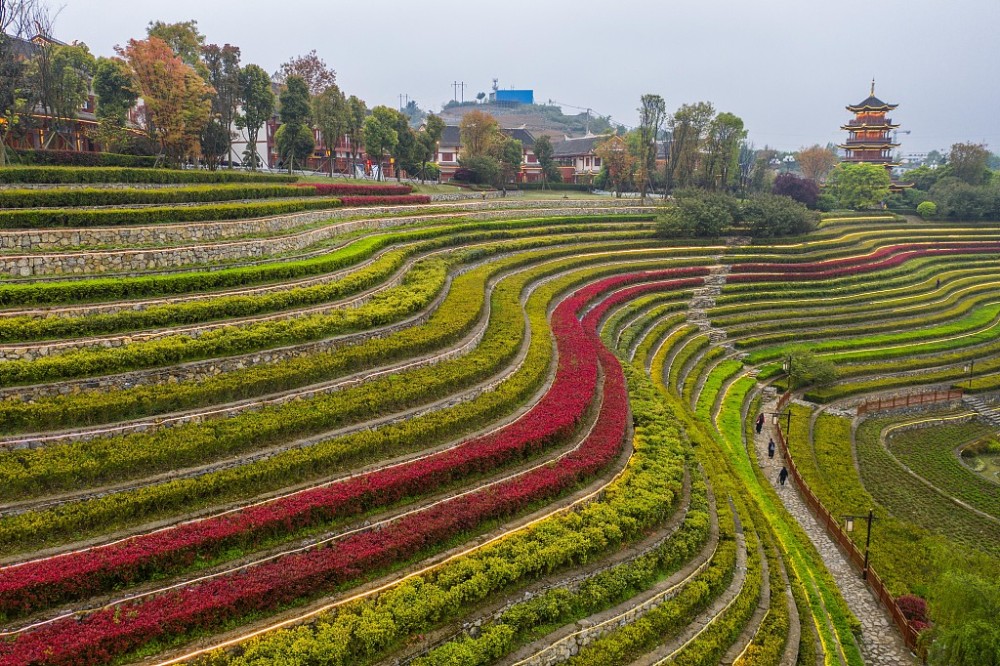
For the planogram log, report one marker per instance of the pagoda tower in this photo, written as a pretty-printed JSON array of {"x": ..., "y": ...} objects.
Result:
[{"x": 868, "y": 139}]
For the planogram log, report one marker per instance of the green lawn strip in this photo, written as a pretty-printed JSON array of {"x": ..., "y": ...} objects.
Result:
[
  {"x": 984, "y": 384},
  {"x": 718, "y": 376},
  {"x": 928, "y": 359},
  {"x": 691, "y": 380},
  {"x": 653, "y": 336},
  {"x": 918, "y": 534},
  {"x": 367, "y": 630},
  {"x": 932, "y": 453},
  {"x": 688, "y": 348},
  {"x": 826, "y": 602}
]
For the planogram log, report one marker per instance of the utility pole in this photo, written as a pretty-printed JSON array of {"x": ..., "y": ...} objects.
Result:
[
  {"x": 588, "y": 121},
  {"x": 462, "y": 84}
]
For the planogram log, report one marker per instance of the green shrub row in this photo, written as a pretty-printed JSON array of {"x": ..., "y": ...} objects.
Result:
[
  {"x": 70, "y": 197},
  {"x": 76, "y": 158},
  {"x": 532, "y": 619},
  {"x": 56, "y": 174},
  {"x": 691, "y": 346},
  {"x": 557, "y": 187},
  {"x": 664, "y": 322},
  {"x": 120, "y": 288},
  {"x": 189, "y": 311},
  {"x": 694, "y": 374},
  {"x": 66, "y": 465},
  {"x": 43, "y": 218},
  {"x": 369, "y": 629}
]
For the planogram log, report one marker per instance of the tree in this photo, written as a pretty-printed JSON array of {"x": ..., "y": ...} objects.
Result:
[
  {"x": 18, "y": 19},
  {"x": 698, "y": 213},
  {"x": 816, "y": 162},
  {"x": 652, "y": 113},
  {"x": 483, "y": 169},
  {"x": 184, "y": 40},
  {"x": 257, "y": 103},
  {"x": 859, "y": 186},
  {"x": 178, "y": 102},
  {"x": 215, "y": 141},
  {"x": 480, "y": 132},
  {"x": 803, "y": 190},
  {"x": 809, "y": 369},
  {"x": 427, "y": 142},
  {"x": 688, "y": 126},
  {"x": 115, "y": 89},
  {"x": 967, "y": 162},
  {"x": 964, "y": 607},
  {"x": 311, "y": 68},
  {"x": 544, "y": 151},
  {"x": 62, "y": 77},
  {"x": 294, "y": 139},
  {"x": 510, "y": 156},
  {"x": 403, "y": 153},
  {"x": 616, "y": 159},
  {"x": 720, "y": 164},
  {"x": 771, "y": 215},
  {"x": 223, "y": 66},
  {"x": 330, "y": 116},
  {"x": 357, "y": 111},
  {"x": 927, "y": 209},
  {"x": 380, "y": 134}
]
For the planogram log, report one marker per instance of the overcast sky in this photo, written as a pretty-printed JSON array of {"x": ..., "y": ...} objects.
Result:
[{"x": 787, "y": 67}]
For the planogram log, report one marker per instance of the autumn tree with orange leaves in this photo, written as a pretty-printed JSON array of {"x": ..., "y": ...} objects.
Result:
[
  {"x": 178, "y": 102},
  {"x": 816, "y": 162}
]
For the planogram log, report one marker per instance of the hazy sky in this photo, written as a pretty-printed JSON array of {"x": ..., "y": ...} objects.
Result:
[{"x": 787, "y": 67}]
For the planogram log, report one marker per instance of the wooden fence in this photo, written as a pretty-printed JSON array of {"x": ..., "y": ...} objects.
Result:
[
  {"x": 909, "y": 400},
  {"x": 837, "y": 533}
]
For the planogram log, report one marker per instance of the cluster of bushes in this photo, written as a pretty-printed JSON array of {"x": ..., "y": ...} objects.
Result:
[
  {"x": 711, "y": 214},
  {"x": 75, "y": 158},
  {"x": 58, "y": 174}
]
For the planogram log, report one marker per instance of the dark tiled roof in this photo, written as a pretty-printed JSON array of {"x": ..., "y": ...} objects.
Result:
[
  {"x": 872, "y": 102},
  {"x": 581, "y": 145},
  {"x": 452, "y": 136}
]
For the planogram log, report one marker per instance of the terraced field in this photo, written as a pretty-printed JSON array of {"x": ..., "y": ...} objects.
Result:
[{"x": 248, "y": 425}]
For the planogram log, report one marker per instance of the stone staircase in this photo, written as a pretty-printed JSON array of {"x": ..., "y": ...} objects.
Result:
[
  {"x": 989, "y": 414},
  {"x": 704, "y": 298}
]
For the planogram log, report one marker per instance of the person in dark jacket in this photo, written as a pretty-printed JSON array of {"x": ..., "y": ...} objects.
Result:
[
  {"x": 783, "y": 475},
  {"x": 770, "y": 448},
  {"x": 760, "y": 423}
]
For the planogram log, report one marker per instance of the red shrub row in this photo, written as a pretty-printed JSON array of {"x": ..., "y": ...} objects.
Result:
[
  {"x": 781, "y": 272},
  {"x": 103, "y": 634},
  {"x": 37, "y": 585},
  {"x": 354, "y": 189},
  {"x": 881, "y": 253}
]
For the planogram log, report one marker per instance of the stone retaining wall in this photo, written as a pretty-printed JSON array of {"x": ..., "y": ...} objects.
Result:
[{"x": 124, "y": 261}]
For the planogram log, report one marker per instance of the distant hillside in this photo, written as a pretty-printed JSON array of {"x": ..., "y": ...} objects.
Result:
[{"x": 539, "y": 118}]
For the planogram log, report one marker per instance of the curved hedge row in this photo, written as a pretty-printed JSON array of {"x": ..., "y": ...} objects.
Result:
[{"x": 92, "y": 174}]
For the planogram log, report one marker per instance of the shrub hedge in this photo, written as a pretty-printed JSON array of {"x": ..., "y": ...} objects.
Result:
[
  {"x": 75, "y": 158},
  {"x": 58, "y": 174}
]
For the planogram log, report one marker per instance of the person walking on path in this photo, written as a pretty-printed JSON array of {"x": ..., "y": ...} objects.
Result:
[
  {"x": 783, "y": 475},
  {"x": 770, "y": 448},
  {"x": 760, "y": 423}
]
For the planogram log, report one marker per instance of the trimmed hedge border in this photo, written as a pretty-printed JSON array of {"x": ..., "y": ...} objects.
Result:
[
  {"x": 55, "y": 174},
  {"x": 75, "y": 158}
]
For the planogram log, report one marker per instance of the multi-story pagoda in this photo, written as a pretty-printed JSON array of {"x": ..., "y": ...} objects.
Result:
[{"x": 869, "y": 139}]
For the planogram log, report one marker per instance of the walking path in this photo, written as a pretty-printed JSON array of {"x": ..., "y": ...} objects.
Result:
[{"x": 880, "y": 643}]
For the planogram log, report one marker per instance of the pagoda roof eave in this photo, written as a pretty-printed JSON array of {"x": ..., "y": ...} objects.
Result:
[{"x": 855, "y": 128}]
